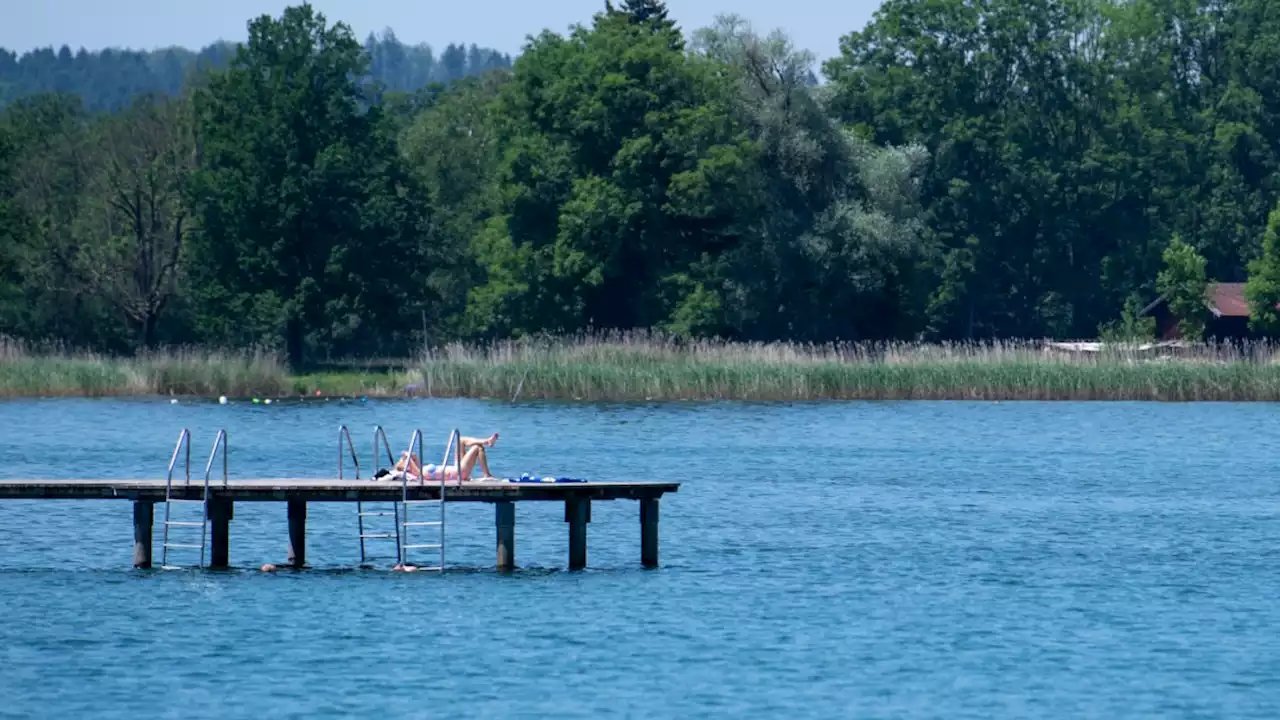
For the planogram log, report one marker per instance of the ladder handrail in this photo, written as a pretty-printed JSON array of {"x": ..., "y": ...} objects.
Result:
[
  {"x": 184, "y": 438},
  {"x": 415, "y": 439},
  {"x": 457, "y": 461},
  {"x": 345, "y": 434},
  {"x": 449, "y": 446},
  {"x": 380, "y": 434},
  {"x": 220, "y": 440}
]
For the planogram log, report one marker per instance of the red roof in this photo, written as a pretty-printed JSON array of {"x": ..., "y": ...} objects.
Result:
[{"x": 1227, "y": 300}]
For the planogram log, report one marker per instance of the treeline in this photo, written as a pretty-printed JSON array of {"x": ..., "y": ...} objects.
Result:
[
  {"x": 999, "y": 168},
  {"x": 110, "y": 80}
]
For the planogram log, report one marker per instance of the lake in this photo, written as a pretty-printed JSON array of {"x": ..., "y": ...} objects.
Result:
[{"x": 913, "y": 560}]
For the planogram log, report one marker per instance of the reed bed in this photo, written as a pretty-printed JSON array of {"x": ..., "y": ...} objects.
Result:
[
  {"x": 642, "y": 366},
  {"x": 26, "y": 371},
  {"x": 651, "y": 367}
]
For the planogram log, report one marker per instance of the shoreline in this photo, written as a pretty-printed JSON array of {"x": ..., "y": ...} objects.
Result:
[
  {"x": 983, "y": 384},
  {"x": 644, "y": 369}
]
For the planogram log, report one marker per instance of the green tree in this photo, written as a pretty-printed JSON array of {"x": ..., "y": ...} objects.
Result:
[
  {"x": 54, "y": 161},
  {"x": 136, "y": 222},
  {"x": 642, "y": 11},
  {"x": 835, "y": 227},
  {"x": 1183, "y": 284},
  {"x": 621, "y": 176},
  {"x": 1131, "y": 326},
  {"x": 1263, "y": 287},
  {"x": 453, "y": 150},
  {"x": 311, "y": 230},
  {"x": 13, "y": 236}
]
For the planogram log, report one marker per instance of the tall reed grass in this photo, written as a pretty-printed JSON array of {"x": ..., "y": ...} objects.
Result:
[
  {"x": 643, "y": 366},
  {"x": 27, "y": 371}
]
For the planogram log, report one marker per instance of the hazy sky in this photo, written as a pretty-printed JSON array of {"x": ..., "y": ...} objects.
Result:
[{"x": 502, "y": 24}]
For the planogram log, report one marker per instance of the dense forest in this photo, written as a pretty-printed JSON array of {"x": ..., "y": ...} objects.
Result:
[
  {"x": 110, "y": 80},
  {"x": 969, "y": 169}
]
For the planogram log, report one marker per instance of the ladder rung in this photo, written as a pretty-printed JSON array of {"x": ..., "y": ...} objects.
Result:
[
  {"x": 184, "y": 524},
  {"x": 420, "y": 502},
  {"x": 376, "y": 514},
  {"x": 175, "y": 501},
  {"x": 179, "y": 545},
  {"x": 422, "y": 524},
  {"x": 423, "y": 547},
  {"x": 377, "y": 537}
]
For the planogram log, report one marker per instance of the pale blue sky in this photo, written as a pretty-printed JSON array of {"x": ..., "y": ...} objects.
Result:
[{"x": 502, "y": 24}]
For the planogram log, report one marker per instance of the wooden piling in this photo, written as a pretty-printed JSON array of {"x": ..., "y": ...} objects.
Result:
[
  {"x": 144, "y": 512},
  {"x": 649, "y": 532},
  {"x": 577, "y": 512},
  {"x": 220, "y": 514},
  {"x": 505, "y": 519},
  {"x": 297, "y": 533}
]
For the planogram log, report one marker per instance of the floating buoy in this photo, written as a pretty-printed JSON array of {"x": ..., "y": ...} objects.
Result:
[
  {"x": 222, "y": 399},
  {"x": 267, "y": 401},
  {"x": 173, "y": 401},
  {"x": 256, "y": 401},
  {"x": 268, "y": 568}
]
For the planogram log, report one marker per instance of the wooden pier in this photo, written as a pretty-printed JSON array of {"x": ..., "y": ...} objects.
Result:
[{"x": 296, "y": 493}]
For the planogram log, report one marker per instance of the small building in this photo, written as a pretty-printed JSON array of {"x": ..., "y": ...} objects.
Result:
[{"x": 1228, "y": 314}]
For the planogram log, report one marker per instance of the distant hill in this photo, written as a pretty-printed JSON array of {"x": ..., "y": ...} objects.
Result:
[{"x": 108, "y": 80}]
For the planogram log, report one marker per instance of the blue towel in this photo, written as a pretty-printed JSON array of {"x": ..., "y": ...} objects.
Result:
[{"x": 534, "y": 478}]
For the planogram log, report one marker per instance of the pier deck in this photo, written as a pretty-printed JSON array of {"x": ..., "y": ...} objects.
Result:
[
  {"x": 296, "y": 493},
  {"x": 327, "y": 490}
]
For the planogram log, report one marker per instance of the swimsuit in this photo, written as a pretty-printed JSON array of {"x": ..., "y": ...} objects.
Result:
[{"x": 434, "y": 472}]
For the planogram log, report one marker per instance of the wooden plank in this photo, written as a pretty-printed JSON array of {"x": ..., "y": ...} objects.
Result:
[{"x": 326, "y": 490}]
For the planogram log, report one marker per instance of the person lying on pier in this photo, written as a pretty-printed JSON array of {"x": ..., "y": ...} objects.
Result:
[{"x": 472, "y": 450}]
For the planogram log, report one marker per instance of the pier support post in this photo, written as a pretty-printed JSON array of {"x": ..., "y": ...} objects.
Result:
[
  {"x": 297, "y": 533},
  {"x": 577, "y": 512},
  {"x": 649, "y": 532},
  {"x": 144, "y": 513},
  {"x": 505, "y": 518},
  {"x": 220, "y": 514}
]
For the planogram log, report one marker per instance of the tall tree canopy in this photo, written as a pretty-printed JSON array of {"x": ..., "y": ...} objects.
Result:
[
  {"x": 971, "y": 169},
  {"x": 624, "y": 171},
  {"x": 109, "y": 80},
  {"x": 309, "y": 222}
]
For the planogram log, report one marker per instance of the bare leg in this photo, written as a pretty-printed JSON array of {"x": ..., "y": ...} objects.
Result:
[
  {"x": 474, "y": 454},
  {"x": 466, "y": 441}
]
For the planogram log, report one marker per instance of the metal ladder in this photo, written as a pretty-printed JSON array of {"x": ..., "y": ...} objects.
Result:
[
  {"x": 405, "y": 545},
  {"x": 361, "y": 513},
  {"x": 184, "y": 443}
]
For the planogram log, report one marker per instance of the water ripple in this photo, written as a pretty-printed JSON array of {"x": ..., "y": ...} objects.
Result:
[{"x": 916, "y": 560}]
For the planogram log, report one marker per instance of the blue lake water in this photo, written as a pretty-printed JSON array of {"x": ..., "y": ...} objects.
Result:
[{"x": 958, "y": 560}]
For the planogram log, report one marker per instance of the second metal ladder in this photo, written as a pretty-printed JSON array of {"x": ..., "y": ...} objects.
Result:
[
  {"x": 439, "y": 501},
  {"x": 184, "y": 443}
]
